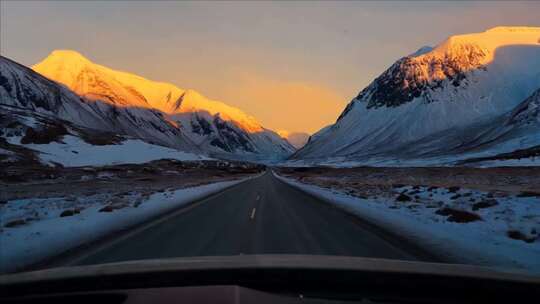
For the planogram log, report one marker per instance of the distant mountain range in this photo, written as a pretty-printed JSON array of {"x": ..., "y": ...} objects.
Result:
[
  {"x": 472, "y": 98},
  {"x": 70, "y": 88},
  {"x": 474, "y": 95},
  {"x": 297, "y": 139}
]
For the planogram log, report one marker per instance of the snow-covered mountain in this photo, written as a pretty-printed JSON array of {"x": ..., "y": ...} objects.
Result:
[
  {"x": 22, "y": 88},
  {"x": 211, "y": 125},
  {"x": 31, "y": 138},
  {"x": 438, "y": 101}
]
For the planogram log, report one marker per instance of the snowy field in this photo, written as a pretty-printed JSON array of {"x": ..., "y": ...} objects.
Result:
[
  {"x": 468, "y": 226},
  {"x": 523, "y": 162},
  {"x": 72, "y": 151},
  {"x": 35, "y": 229}
]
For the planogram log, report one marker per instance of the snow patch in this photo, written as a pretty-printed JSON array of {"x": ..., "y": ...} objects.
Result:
[
  {"x": 483, "y": 242},
  {"x": 45, "y": 233},
  {"x": 73, "y": 151}
]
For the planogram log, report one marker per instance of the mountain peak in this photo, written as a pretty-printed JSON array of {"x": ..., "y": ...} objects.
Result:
[
  {"x": 62, "y": 66},
  {"x": 68, "y": 56},
  {"x": 67, "y": 53},
  {"x": 488, "y": 41},
  {"x": 513, "y": 29}
]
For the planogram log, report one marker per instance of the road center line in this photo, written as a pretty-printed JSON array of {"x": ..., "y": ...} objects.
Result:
[
  {"x": 258, "y": 197},
  {"x": 253, "y": 213}
]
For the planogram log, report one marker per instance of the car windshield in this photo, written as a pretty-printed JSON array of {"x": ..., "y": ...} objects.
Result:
[{"x": 144, "y": 130}]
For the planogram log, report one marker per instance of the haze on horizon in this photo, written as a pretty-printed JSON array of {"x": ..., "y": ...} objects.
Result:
[{"x": 293, "y": 65}]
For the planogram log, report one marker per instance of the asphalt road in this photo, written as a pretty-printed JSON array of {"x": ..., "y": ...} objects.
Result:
[{"x": 260, "y": 216}]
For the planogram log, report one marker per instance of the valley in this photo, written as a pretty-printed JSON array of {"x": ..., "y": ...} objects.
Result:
[{"x": 435, "y": 160}]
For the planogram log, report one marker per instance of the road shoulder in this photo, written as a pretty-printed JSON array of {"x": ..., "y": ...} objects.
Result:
[
  {"x": 64, "y": 240},
  {"x": 452, "y": 242}
]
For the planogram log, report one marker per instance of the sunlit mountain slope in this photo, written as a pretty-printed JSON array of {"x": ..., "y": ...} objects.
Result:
[
  {"x": 212, "y": 125},
  {"x": 22, "y": 88},
  {"x": 437, "y": 101}
]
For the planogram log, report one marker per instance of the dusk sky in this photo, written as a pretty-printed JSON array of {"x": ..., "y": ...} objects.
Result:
[{"x": 292, "y": 65}]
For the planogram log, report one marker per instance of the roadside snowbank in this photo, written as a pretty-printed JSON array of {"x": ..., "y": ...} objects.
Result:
[
  {"x": 45, "y": 233},
  {"x": 482, "y": 242}
]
